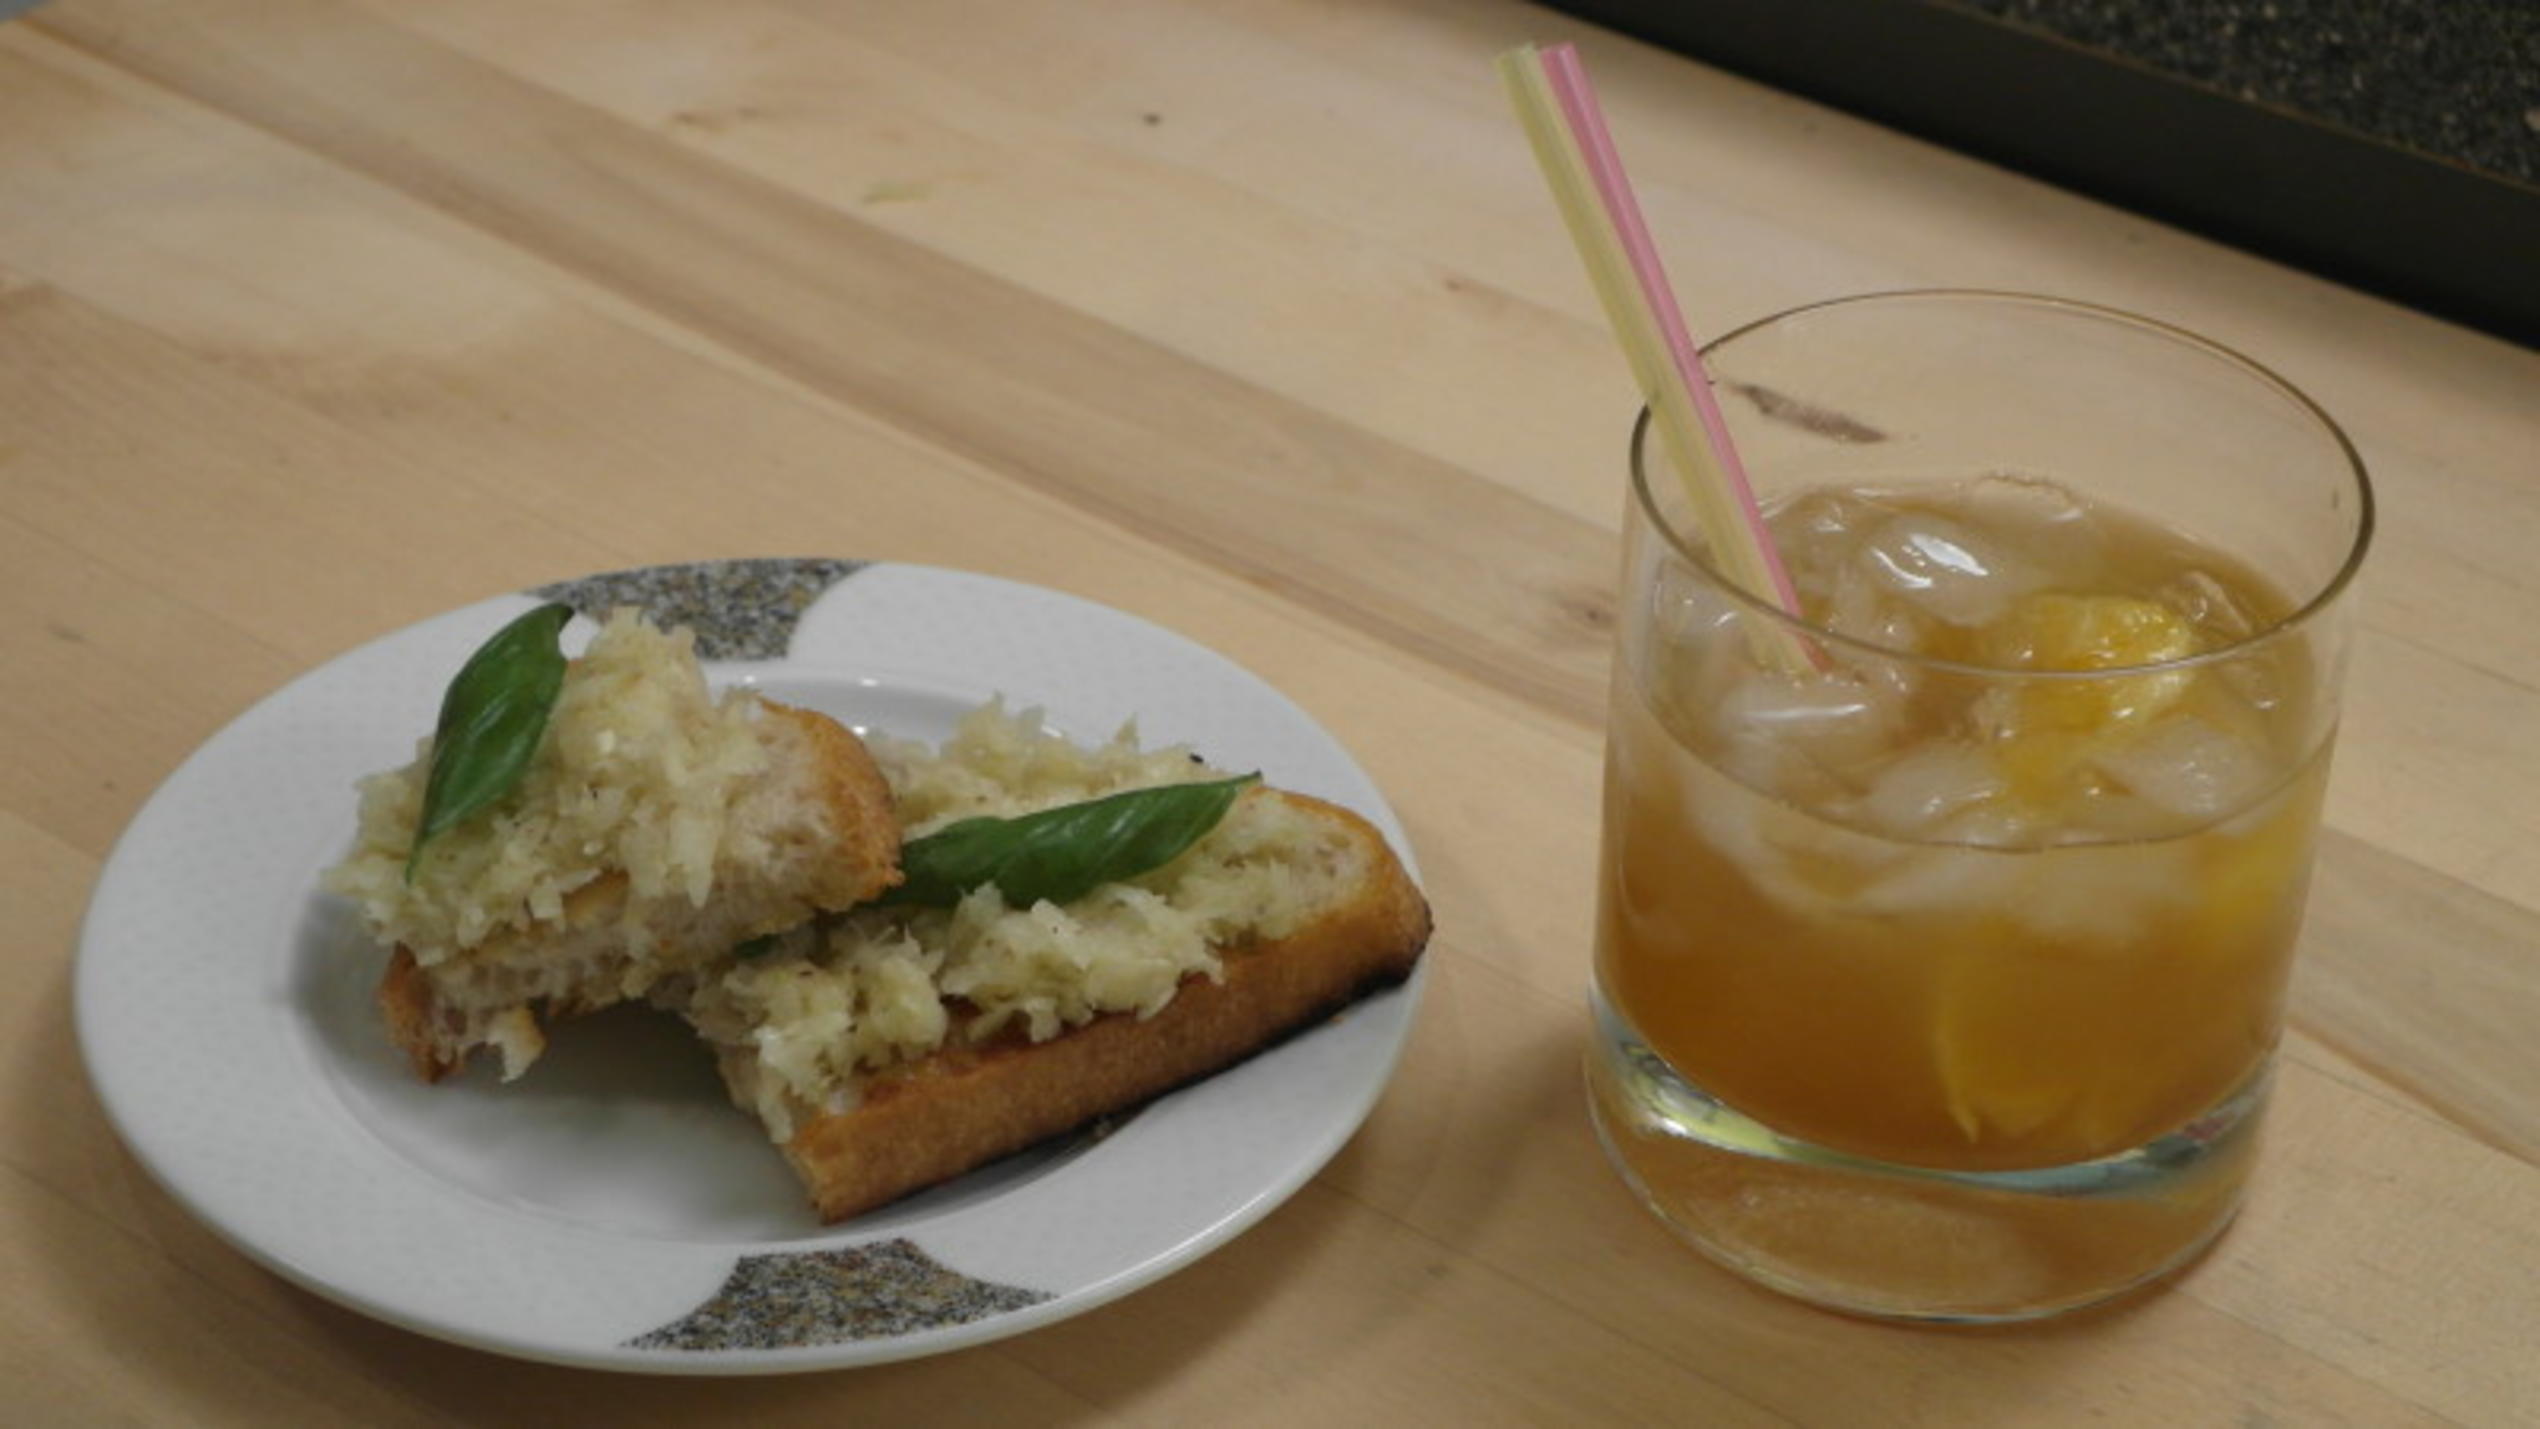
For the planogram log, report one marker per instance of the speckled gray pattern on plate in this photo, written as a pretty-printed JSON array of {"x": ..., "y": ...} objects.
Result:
[
  {"x": 827, "y": 1297},
  {"x": 741, "y": 610}
]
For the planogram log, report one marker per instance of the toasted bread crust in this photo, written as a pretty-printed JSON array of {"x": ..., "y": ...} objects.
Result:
[
  {"x": 959, "y": 1108},
  {"x": 415, "y": 1019},
  {"x": 437, "y": 1020},
  {"x": 865, "y": 838}
]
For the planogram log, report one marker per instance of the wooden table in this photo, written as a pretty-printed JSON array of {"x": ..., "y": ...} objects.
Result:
[{"x": 318, "y": 317}]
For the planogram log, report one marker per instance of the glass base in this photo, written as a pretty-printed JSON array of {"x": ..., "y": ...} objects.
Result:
[{"x": 1903, "y": 1242}]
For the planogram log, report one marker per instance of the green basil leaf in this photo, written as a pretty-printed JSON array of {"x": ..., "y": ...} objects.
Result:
[
  {"x": 757, "y": 947},
  {"x": 1063, "y": 853},
  {"x": 491, "y": 719}
]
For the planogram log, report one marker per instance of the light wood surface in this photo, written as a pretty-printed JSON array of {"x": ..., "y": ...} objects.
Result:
[{"x": 318, "y": 317}]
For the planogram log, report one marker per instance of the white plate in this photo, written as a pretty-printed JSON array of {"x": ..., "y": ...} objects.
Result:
[{"x": 611, "y": 1209}]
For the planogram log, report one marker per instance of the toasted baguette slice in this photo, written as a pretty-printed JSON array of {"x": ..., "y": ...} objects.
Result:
[
  {"x": 656, "y": 828},
  {"x": 835, "y": 845},
  {"x": 1354, "y": 924}
]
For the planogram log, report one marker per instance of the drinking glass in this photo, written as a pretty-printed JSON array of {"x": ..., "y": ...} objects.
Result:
[{"x": 1937, "y": 978}]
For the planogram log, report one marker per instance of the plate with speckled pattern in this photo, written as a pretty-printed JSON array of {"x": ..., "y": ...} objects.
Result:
[{"x": 611, "y": 1209}]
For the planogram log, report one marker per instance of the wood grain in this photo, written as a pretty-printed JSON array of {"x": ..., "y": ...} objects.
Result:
[
  {"x": 962, "y": 360},
  {"x": 318, "y": 317}
]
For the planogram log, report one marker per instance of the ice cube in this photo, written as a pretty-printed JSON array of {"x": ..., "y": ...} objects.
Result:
[
  {"x": 2187, "y": 767},
  {"x": 2261, "y": 678},
  {"x": 1944, "y": 881},
  {"x": 1946, "y": 569},
  {"x": 2103, "y": 813},
  {"x": 1685, "y": 607},
  {"x": 2218, "y": 612},
  {"x": 1867, "y": 609},
  {"x": 1919, "y": 792},
  {"x": 1788, "y": 857},
  {"x": 2057, "y": 529},
  {"x": 1709, "y": 692},
  {"x": 2102, "y": 896},
  {"x": 2258, "y": 682},
  {"x": 1998, "y": 824},
  {"x": 1831, "y": 724},
  {"x": 1821, "y": 523}
]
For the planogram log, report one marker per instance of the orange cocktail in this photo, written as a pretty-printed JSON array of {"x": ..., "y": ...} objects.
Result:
[{"x": 1942, "y": 978}]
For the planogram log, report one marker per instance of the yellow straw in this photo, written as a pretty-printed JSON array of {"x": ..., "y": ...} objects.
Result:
[{"x": 1716, "y": 511}]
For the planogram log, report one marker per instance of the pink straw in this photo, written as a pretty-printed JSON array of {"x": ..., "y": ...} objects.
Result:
[{"x": 1569, "y": 82}]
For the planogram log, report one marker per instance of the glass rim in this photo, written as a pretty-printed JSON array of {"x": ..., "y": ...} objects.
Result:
[{"x": 1764, "y": 608}]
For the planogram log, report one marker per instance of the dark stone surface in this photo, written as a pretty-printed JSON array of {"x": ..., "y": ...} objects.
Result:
[
  {"x": 2458, "y": 80},
  {"x": 2389, "y": 146}
]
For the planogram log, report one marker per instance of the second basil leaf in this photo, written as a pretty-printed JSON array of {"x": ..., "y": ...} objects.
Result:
[{"x": 1063, "y": 853}]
